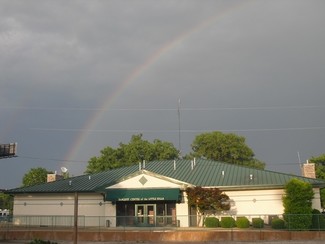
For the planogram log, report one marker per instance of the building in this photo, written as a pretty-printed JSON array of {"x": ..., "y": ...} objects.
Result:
[{"x": 153, "y": 194}]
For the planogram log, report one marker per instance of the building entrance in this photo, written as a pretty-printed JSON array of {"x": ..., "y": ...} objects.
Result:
[{"x": 145, "y": 214}]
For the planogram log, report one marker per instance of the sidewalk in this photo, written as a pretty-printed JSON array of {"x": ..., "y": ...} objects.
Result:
[{"x": 136, "y": 242}]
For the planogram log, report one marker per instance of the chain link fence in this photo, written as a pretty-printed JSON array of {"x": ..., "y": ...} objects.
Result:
[{"x": 312, "y": 222}]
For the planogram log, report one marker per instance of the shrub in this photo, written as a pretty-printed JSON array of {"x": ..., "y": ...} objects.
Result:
[
  {"x": 211, "y": 222},
  {"x": 242, "y": 222},
  {"x": 298, "y": 221},
  {"x": 257, "y": 223},
  {"x": 39, "y": 241},
  {"x": 297, "y": 203},
  {"x": 318, "y": 220},
  {"x": 278, "y": 224},
  {"x": 227, "y": 222}
]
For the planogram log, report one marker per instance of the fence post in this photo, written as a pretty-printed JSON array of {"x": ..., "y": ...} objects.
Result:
[{"x": 75, "y": 233}]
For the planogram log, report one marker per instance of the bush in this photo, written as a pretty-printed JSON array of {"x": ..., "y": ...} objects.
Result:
[
  {"x": 278, "y": 224},
  {"x": 39, "y": 241},
  {"x": 242, "y": 222},
  {"x": 298, "y": 221},
  {"x": 318, "y": 220},
  {"x": 211, "y": 222},
  {"x": 297, "y": 203},
  {"x": 257, "y": 223},
  {"x": 227, "y": 222}
]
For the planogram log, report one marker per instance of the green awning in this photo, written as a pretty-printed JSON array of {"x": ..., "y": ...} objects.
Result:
[{"x": 160, "y": 194}]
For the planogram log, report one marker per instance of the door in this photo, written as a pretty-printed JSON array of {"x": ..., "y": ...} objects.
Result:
[{"x": 145, "y": 214}]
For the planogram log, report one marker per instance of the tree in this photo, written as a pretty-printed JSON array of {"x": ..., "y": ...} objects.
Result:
[
  {"x": 229, "y": 148},
  {"x": 320, "y": 173},
  {"x": 35, "y": 176},
  {"x": 6, "y": 201},
  {"x": 319, "y": 166},
  {"x": 131, "y": 153},
  {"x": 207, "y": 200},
  {"x": 297, "y": 204}
]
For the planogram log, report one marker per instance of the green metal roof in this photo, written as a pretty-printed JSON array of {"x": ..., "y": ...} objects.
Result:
[{"x": 205, "y": 173}]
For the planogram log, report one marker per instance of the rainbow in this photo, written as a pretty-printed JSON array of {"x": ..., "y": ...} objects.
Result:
[{"x": 137, "y": 72}]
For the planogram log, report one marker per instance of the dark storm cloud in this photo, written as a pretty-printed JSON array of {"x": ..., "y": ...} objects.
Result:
[{"x": 257, "y": 64}]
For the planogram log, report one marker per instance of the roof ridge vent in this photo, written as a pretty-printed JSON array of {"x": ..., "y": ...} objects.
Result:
[{"x": 142, "y": 165}]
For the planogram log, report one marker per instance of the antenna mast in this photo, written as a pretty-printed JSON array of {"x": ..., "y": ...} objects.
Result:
[
  {"x": 299, "y": 158},
  {"x": 179, "y": 127}
]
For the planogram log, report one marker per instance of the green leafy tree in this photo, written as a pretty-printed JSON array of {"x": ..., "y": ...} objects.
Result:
[
  {"x": 229, "y": 148},
  {"x": 297, "y": 204},
  {"x": 320, "y": 173},
  {"x": 6, "y": 201},
  {"x": 35, "y": 176},
  {"x": 319, "y": 165},
  {"x": 131, "y": 153},
  {"x": 207, "y": 200},
  {"x": 164, "y": 150}
]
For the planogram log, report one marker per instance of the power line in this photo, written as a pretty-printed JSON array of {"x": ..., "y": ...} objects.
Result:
[
  {"x": 53, "y": 159},
  {"x": 159, "y": 109},
  {"x": 278, "y": 164},
  {"x": 174, "y": 131}
]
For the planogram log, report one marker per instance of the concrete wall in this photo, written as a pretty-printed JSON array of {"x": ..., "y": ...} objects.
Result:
[{"x": 137, "y": 236}]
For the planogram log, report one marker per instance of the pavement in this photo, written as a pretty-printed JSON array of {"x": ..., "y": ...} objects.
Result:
[{"x": 137, "y": 242}]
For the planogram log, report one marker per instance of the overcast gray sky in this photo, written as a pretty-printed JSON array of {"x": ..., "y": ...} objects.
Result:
[{"x": 76, "y": 76}]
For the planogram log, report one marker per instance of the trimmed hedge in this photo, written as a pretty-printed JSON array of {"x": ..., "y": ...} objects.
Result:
[
  {"x": 39, "y": 241},
  {"x": 257, "y": 223},
  {"x": 297, "y": 203},
  {"x": 227, "y": 222},
  {"x": 278, "y": 224},
  {"x": 242, "y": 222},
  {"x": 298, "y": 221},
  {"x": 318, "y": 220},
  {"x": 211, "y": 222}
]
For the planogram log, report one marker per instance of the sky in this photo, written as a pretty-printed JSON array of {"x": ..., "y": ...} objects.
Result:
[{"x": 77, "y": 76}]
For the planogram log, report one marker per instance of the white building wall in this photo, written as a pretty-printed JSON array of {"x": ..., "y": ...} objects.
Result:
[
  {"x": 110, "y": 211},
  {"x": 182, "y": 212},
  {"x": 58, "y": 204},
  {"x": 257, "y": 202},
  {"x": 316, "y": 201},
  {"x": 54, "y": 206},
  {"x": 262, "y": 202},
  {"x": 151, "y": 182}
]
